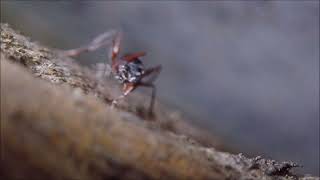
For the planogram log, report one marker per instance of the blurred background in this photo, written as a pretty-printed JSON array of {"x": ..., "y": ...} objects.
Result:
[{"x": 246, "y": 71}]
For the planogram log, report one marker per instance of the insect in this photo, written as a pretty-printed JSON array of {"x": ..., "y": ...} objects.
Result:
[{"x": 127, "y": 69}]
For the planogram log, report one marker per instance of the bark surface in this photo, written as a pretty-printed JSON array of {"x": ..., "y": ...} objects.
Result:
[{"x": 56, "y": 123}]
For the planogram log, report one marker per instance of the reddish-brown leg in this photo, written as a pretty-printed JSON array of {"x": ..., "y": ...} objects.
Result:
[{"x": 127, "y": 88}]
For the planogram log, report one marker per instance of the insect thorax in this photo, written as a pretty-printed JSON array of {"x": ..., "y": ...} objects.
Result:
[{"x": 130, "y": 72}]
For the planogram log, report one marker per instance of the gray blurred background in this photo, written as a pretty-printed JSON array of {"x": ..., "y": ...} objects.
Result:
[{"x": 247, "y": 71}]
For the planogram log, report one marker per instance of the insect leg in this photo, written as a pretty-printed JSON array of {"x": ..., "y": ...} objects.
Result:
[
  {"x": 114, "y": 50},
  {"x": 127, "y": 88},
  {"x": 101, "y": 40},
  {"x": 153, "y": 96},
  {"x": 152, "y": 74}
]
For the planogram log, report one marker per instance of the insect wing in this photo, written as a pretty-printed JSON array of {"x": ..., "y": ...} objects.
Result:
[{"x": 133, "y": 56}]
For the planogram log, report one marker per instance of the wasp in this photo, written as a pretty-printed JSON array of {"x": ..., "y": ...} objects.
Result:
[{"x": 128, "y": 69}]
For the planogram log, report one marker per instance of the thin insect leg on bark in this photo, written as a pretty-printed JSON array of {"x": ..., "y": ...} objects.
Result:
[
  {"x": 101, "y": 40},
  {"x": 153, "y": 96},
  {"x": 151, "y": 74},
  {"x": 127, "y": 88}
]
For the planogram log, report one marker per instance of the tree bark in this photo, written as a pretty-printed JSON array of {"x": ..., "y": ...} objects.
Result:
[{"x": 56, "y": 123}]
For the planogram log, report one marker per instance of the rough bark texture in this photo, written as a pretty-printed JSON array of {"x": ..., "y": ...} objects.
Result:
[{"x": 56, "y": 123}]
